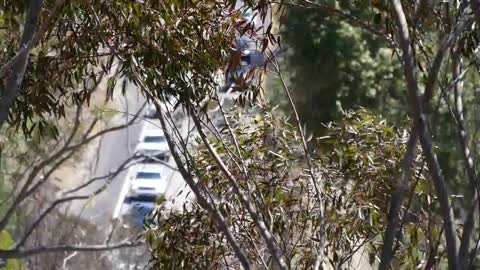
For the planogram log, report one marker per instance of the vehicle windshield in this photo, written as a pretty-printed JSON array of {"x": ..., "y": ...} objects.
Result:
[
  {"x": 148, "y": 175},
  {"x": 155, "y": 158},
  {"x": 154, "y": 139},
  {"x": 144, "y": 199}
]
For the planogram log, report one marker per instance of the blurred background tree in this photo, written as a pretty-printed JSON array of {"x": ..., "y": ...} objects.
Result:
[{"x": 333, "y": 66}]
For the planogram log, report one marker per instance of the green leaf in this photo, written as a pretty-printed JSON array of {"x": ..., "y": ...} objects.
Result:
[
  {"x": 160, "y": 200},
  {"x": 6, "y": 242}
]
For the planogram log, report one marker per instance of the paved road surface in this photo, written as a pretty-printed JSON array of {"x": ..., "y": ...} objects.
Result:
[
  {"x": 118, "y": 146},
  {"x": 115, "y": 148}
]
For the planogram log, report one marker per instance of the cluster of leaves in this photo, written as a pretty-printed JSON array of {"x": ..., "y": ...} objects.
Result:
[
  {"x": 205, "y": 244},
  {"x": 361, "y": 173},
  {"x": 357, "y": 178},
  {"x": 6, "y": 242},
  {"x": 165, "y": 47},
  {"x": 18, "y": 154},
  {"x": 270, "y": 183},
  {"x": 333, "y": 62}
]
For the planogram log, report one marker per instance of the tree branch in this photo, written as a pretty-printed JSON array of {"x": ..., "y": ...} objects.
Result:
[
  {"x": 27, "y": 191},
  {"x": 23, "y": 253},
  {"x": 125, "y": 165},
  {"x": 52, "y": 206},
  {"x": 445, "y": 45},
  {"x": 396, "y": 203},
  {"x": 313, "y": 179},
  {"x": 49, "y": 209},
  {"x": 419, "y": 123},
  {"x": 18, "y": 64},
  {"x": 472, "y": 192},
  {"x": 263, "y": 229},
  {"x": 108, "y": 130},
  {"x": 27, "y": 46},
  {"x": 206, "y": 203}
]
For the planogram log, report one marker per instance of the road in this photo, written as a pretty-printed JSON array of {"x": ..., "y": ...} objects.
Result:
[
  {"x": 114, "y": 149},
  {"x": 118, "y": 146}
]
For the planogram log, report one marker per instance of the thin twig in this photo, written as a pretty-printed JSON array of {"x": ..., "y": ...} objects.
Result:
[
  {"x": 316, "y": 183},
  {"x": 440, "y": 56},
  {"x": 125, "y": 165},
  {"x": 204, "y": 202},
  {"x": 49, "y": 209},
  {"x": 70, "y": 149},
  {"x": 264, "y": 231},
  {"x": 23, "y": 253}
]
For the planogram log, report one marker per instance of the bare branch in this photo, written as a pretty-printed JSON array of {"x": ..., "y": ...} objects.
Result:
[
  {"x": 234, "y": 157},
  {"x": 409, "y": 205},
  {"x": 22, "y": 253},
  {"x": 44, "y": 178},
  {"x": 263, "y": 229},
  {"x": 49, "y": 209},
  {"x": 207, "y": 203},
  {"x": 419, "y": 123},
  {"x": 76, "y": 125},
  {"x": 234, "y": 138},
  {"x": 396, "y": 203},
  {"x": 70, "y": 149},
  {"x": 105, "y": 131},
  {"x": 313, "y": 178},
  {"x": 445, "y": 45},
  {"x": 125, "y": 165},
  {"x": 52, "y": 206},
  {"x": 17, "y": 65},
  {"x": 472, "y": 192},
  {"x": 28, "y": 182}
]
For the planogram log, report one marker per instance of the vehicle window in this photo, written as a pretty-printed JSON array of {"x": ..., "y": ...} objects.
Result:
[
  {"x": 144, "y": 199},
  {"x": 155, "y": 159},
  {"x": 148, "y": 175},
  {"x": 154, "y": 139}
]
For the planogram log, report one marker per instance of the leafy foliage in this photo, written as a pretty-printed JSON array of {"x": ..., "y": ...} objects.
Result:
[
  {"x": 364, "y": 165},
  {"x": 176, "y": 48},
  {"x": 165, "y": 47},
  {"x": 6, "y": 242},
  {"x": 357, "y": 177}
]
